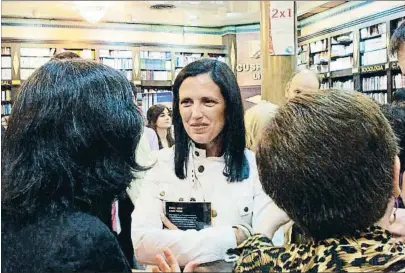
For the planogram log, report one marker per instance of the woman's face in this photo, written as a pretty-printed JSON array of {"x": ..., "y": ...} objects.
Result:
[
  {"x": 4, "y": 122},
  {"x": 164, "y": 120},
  {"x": 202, "y": 108}
]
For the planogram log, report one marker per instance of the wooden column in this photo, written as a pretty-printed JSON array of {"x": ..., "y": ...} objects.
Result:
[{"x": 276, "y": 70}]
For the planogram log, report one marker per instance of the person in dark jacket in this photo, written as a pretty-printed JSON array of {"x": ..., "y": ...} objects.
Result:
[{"x": 69, "y": 153}]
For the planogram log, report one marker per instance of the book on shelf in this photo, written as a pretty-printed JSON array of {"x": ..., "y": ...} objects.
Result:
[
  {"x": 376, "y": 83},
  {"x": 373, "y": 31},
  {"x": 117, "y": 63},
  {"x": 374, "y": 57},
  {"x": 381, "y": 98},
  {"x": 398, "y": 81},
  {"x": 156, "y": 75},
  {"x": 341, "y": 63},
  {"x": 6, "y": 109},
  {"x": 343, "y": 85},
  {"x": 373, "y": 44},
  {"x": 115, "y": 53},
  {"x": 318, "y": 46},
  {"x": 320, "y": 58},
  {"x": 183, "y": 60},
  {"x": 341, "y": 50},
  {"x": 6, "y": 95},
  {"x": 155, "y": 55}
]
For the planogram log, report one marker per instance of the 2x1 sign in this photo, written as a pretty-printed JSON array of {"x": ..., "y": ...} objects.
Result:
[{"x": 281, "y": 33}]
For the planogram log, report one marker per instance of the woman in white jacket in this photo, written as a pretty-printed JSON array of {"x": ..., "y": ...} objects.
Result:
[{"x": 209, "y": 163}]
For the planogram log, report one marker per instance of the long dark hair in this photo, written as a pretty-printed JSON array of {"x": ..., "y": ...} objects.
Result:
[
  {"x": 236, "y": 164},
  {"x": 152, "y": 115},
  {"x": 71, "y": 142}
]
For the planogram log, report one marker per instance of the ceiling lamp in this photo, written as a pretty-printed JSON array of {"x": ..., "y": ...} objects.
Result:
[{"x": 92, "y": 11}]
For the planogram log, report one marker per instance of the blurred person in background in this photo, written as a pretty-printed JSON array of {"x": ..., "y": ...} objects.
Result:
[{"x": 160, "y": 120}]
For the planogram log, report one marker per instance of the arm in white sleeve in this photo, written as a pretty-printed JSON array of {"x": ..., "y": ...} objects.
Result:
[{"x": 149, "y": 238}]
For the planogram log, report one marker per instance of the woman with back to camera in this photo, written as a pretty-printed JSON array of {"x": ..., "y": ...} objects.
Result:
[
  {"x": 160, "y": 120},
  {"x": 208, "y": 163},
  {"x": 69, "y": 153}
]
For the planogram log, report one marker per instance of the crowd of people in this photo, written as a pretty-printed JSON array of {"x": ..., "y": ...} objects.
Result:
[{"x": 313, "y": 185}]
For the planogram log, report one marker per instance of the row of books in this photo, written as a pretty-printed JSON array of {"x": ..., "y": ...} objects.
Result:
[
  {"x": 373, "y": 30},
  {"x": 155, "y": 55},
  {"x": 183, "y": 60},
  {"x": 341, "y": 63},
  {"x": 156, "y": 64},
  {"x": 343, "y": 85},
  {"x": 116, "y": 53},
  {"x": 398, "y": 81},
  {"x": 117, "y": 63},
  {"x": 37, "y": 51},
  {"x": 321, "y": 57},
  {"x": 318, "y": 46},
  {"x": 373, "y": 44},
  {"x": 6, "y": 74},
  {"x": 374, "y": 83},
  {"x": 151, "y": 98},
  {"x": 33, "y": 62},
  {"x": 381, "y": 98},
  {"x": 156, "y": 75},
  {"x": 6, "y": 109},
  {"x": 6, "y": 51},
  {"x": 5, "y": 95},
  {"x": 374, "y": 57},
  {"x": 341, "y": 50}
]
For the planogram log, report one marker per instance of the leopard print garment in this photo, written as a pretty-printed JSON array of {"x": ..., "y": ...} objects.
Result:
[{"x": 371, "y": 250}]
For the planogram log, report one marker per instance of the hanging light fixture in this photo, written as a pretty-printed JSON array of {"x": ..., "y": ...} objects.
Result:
[{"x": 93, "y": 12}]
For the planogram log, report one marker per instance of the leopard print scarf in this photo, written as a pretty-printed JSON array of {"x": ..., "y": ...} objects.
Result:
[{"x": 371, "y": 250}]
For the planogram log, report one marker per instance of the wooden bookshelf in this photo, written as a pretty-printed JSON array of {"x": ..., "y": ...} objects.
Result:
[{"x": 367, "y": 66}]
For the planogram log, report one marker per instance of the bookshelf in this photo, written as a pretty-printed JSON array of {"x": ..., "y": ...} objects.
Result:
[
  {"x": 341, "y": 64},
  {"x": 356, "y": 58},
  {"x": 119, "y": 59},
  {"x": 156, "y": 66},
  {"x": 32, "y": 58},
  {"x": 182, "y": 59},
  {"x": 319, "y": 56},
  {"x": 6, "y": 76},
  {"x": 302, "y": 56}
]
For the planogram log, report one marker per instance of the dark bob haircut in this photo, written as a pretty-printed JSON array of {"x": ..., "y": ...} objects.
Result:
[
  {"x": 71, "y": 142},
  {"x": 326, "y": 159},
  {"x": 236, "y": 164}
]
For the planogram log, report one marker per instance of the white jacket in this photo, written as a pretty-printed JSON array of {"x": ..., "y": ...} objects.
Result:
[{"x": 235, "y": 203}]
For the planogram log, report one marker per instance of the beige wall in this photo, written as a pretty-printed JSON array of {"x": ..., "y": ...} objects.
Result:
[{"x": 247, "y": 78}]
